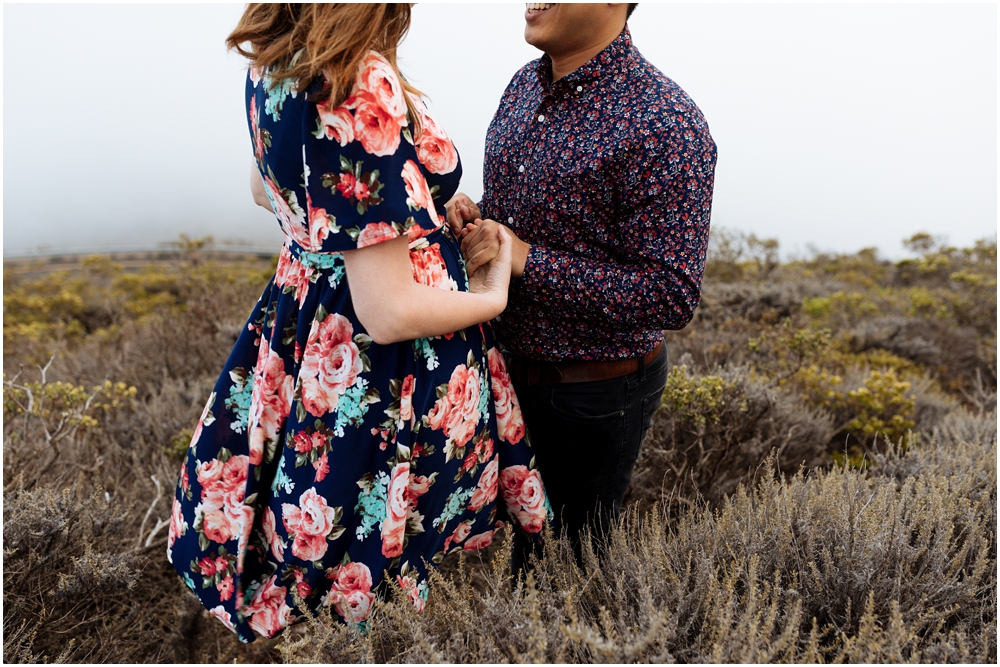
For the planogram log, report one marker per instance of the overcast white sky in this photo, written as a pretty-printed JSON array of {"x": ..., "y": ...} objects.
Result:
[{"x": 838, "y": 126}]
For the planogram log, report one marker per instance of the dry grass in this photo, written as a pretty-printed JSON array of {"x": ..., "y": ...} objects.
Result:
[
  {"x": 825, "y": 566},
  {"x": 746, "y": 540}
]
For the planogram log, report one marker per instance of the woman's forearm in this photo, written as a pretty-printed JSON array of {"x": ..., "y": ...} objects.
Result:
[
  {"x": 257, "y": 188},
  {"x": 419, "y": 311},
  {"x": 392, "y": 307}
]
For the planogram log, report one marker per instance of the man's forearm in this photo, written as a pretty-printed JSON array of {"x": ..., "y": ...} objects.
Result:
[{"x": 618, "y": 295}]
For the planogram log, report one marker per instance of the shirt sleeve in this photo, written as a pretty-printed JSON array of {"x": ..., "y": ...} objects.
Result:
[
  {"x": 655, "y": 280},
  {"x": 362, "y": 177}
]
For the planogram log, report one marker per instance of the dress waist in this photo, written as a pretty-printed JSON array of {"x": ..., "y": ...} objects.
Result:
[{"x": 329, "y": 260}]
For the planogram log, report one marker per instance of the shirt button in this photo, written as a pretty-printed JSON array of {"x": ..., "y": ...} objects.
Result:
[
  {"x": 541, "y": 119},
  {"x": 521, "y": 169},
  {"x": 579, "y": 89},
  {"x": 510, "y": 221}
]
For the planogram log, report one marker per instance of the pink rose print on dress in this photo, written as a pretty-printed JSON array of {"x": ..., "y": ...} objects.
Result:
[
  {"x": 223, "y": 615},
  {"x": 335, "y": 123},
  {"x": 376, "y": 232},
  {"x": 347, "y": 184},
  {"x": 434, "y": 149},
  {"x": 374, "y": 126},
  {"x": 268, "y": 611},
  {"x": 419, "y": 195},
  {"x": 418, "y": 486},
  {"x": 225, "y": 589},
  {"x": 361, "y": 191},
  {"x": 206, "y": 419},
  {"x": 406, "y": 400},
  {"x": 409, "y": 585},
  {"x": 245, "y": 527},
  {"x": 429, "y": 268},
  {"x": 270, "y": 402},
  {"x": 302, "y": 586},
  {"x": 480, "y": 541},
  {"x": 322, "y": 466},
  {"x": 331, "y": 363},
  {"x": 290, "y": 215},
  {"x": 320, "y": 225},
  {"x": 178, "y": 527},
  {"x": 221, "y": 510},
  {"x": 524, "y": 496},
  {"x": 462, "y": 531},
  {"x": 304, "y": 442},
  {"x": 376, "y": 76},
  {"x": 510, "y": 423},
  {"x": 271, "y": 536},
  {"x": 293, "y": 274},
  {"x": 457, "y": 412},
  {"x": 311, "y": 524},
  {"x": 261, "y": 138},
  {"x": 486, "y": 489},
  {"x": 350, "y": 594},
  {"x": 396, "y": 509}
]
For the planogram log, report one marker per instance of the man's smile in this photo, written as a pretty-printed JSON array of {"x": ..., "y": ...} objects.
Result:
[{"x": 534, "y": 9}]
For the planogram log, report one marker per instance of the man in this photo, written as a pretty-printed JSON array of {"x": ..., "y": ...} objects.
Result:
[{"x": 602, "y": 169}]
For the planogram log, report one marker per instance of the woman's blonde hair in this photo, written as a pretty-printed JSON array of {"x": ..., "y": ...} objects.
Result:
[{"x": 301, "y": 41}]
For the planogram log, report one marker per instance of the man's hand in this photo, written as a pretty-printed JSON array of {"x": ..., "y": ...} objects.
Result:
[
  {"x": 481, "y": 243},
  {"x": 460, "y": 211}
]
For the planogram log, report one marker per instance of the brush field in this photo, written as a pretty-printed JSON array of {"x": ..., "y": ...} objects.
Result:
[{"x": 819, "y": 484}]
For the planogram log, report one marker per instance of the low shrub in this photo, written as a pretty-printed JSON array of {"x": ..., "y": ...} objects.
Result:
[
  {"x": 893, "y": 559},
  {"x": 827, "y": 566},
  {"x": 712, "y": 432}
]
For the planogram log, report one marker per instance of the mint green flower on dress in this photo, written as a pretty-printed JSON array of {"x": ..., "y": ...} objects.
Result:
[
  {"x": 371, "y": 503},
  {"x": 239, "y": 398},
  {"x": 453, "y": 506},
  {"x": 353, "y": 405},
  {"x": 422, "y": 348},
  {"x": 277, "y": 91}
]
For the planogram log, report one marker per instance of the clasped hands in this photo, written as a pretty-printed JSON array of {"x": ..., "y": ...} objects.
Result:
[{"x": 482, "y": 240}]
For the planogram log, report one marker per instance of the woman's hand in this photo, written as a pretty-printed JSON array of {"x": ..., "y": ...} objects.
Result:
[
  {"x": 493, "y": 277},
  {"x": 480, "y": 244}
]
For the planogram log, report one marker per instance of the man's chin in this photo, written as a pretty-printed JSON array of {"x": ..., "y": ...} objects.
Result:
[{"x": 532, "y": 37}]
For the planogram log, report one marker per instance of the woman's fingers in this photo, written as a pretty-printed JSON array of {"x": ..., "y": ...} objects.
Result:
[
  {"x": 481, "y": 258},
  {"x": 482, "y": 251}
]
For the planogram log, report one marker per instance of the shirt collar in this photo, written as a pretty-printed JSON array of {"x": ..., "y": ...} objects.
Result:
[{"x": 615, "y": 58}]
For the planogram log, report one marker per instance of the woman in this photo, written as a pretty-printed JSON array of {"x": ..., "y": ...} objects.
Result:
[{"x": 364, "y": 421}]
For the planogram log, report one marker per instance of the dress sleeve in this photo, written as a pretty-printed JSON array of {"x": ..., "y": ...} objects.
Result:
[{"x": 362, "y": 177}]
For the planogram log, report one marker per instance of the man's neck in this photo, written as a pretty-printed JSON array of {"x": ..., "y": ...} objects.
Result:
[{"x": 567, "y": 63}]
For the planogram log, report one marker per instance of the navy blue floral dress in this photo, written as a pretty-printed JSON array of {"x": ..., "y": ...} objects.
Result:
[{"x": 325, "y": 466}]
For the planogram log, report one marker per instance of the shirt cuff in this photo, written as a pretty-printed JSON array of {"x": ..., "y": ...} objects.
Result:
[{"x": 534, "y": 274}]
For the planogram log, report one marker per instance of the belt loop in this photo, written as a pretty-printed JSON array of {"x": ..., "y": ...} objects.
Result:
[{"x": 642, "y": 368}]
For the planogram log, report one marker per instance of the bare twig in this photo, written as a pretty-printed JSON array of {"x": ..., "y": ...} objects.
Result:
[
  {"x": 160, "y": 523},
  {"x": 142, "y": 526}
]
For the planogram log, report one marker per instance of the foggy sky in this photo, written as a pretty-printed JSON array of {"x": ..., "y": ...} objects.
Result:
[{"x": 838, "y": 126}]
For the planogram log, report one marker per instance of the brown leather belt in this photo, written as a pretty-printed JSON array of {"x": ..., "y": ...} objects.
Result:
[{"x": 531, "y": 372}]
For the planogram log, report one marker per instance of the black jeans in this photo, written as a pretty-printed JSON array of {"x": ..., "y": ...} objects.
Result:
[{"x": 586, "y": 438}]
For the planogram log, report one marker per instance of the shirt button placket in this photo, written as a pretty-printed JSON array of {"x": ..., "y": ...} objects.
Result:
[{"x": 522, "y": 197}]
